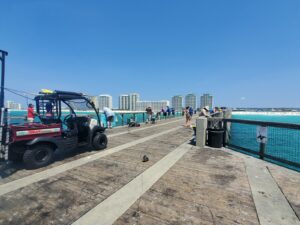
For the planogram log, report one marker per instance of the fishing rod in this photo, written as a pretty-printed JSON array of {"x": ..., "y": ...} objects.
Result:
[
  {"x": 16, "y": 93},
  {"x": 20, "y": 93}
]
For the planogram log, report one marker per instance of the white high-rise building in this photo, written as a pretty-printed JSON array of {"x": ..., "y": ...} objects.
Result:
[
  {"x": 155, "y": 105},
  {"x": 9, "y": 104},
  {"x": 206, "y": 100},
  {"x": 133, "y": 99},
  {"x": 191, "y": 100},
  {"x": 13, "y": 105},
  {"x": 124, "y": 102},
  {"x": 177, "y": 103},
  {"x": 105, "y": 101},
  {"x": 95, "y": 100}
]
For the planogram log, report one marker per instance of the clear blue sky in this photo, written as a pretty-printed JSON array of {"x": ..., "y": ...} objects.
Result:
[{"x": 245, "y": 53}]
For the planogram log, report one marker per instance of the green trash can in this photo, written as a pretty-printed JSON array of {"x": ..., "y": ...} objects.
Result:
[{"x": 215, "y": 137}]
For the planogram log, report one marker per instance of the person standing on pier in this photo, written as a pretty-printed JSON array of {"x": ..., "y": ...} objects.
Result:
[
  {"x": 191, "y": 111},
  {"x": 205, "y": 112},
  {"x": 187, "y": 116},
  {"x": 173, "y": 112},
  {"x": 109, "y": 114},
  {"x": 164, "y": 112},
  {"x": 30, "y": 113},
  {"x": 149, "y": 114},
  {"x": 168, "y": 111}
]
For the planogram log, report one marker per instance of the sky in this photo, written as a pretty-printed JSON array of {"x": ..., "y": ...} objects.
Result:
[{"x": 244, "y": 53}]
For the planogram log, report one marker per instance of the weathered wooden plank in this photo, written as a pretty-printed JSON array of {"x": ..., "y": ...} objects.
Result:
[
  {"x": 12, "y": 172},
  {"x": 214, "y": 180},
  {"x": 65, "y": 197}
]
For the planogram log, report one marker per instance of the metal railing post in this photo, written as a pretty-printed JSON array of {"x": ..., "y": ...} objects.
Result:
[
  {"x": 262, "y": 148},
  {"x": 225, "y": 134}
]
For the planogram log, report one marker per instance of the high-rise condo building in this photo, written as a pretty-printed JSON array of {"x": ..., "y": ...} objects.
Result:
[
  {"x": 155, "y": 105},
  {"x": 124, "y": 102},
  {"x": 191, "y": 100},
  {"x": 105, "y": 101},
  {"x": 133, "y": 98},
  {"x": 177, "y": 103},
  {"x": 94, "y": 99},
  {"x": 13, "y": 105},
  {"x": 206, "y": 100}
]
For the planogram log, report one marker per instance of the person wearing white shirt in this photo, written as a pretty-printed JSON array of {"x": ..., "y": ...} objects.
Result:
[{"x": 109, "y": 114}]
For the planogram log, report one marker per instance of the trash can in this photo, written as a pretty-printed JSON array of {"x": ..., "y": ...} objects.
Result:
[{"x": 215, "y": 138}]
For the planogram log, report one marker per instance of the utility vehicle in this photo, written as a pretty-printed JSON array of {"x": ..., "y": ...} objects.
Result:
[{"x": 66, "y": 120}]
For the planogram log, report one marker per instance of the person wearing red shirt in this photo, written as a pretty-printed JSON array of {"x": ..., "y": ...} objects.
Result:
[{"x": 30, "y": 113}]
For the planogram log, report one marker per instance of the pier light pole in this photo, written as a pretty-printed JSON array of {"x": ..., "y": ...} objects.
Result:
[
  {"x": 3, "y": 54},
  {"x": 3, "y": 125}
]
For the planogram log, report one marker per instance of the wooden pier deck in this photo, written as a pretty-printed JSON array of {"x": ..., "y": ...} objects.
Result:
[{"x": 180, "y": 184}]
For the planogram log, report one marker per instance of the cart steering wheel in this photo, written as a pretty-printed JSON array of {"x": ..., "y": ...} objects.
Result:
[{"x": 66, "y": 119}]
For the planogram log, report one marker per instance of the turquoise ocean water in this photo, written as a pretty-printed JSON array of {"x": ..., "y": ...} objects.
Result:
[
  {"x": 282, "y": 142},
  {"x": 269, "y": 118}
]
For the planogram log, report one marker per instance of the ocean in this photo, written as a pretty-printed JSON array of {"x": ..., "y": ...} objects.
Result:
[
  {"x": 270, "y": 117},
  {"x": 281, "y": 142}
]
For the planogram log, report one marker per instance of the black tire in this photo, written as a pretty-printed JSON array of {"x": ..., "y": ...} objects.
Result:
[
  {"x": 100, "y": 141},
  {"x": 38, "y": 156}
]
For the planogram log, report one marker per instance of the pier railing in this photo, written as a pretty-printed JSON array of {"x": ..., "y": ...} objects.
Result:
[
  {"x": 121, "y": 118},
  {"x": 271, "y": 141}
]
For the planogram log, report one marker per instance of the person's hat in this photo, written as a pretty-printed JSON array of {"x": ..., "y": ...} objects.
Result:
[{"x": 206, "y": 108}]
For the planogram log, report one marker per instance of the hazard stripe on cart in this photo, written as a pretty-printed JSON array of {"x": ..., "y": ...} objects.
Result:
[{"x": 39, "y": 131}]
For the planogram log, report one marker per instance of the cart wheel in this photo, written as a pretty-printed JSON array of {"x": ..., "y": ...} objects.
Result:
[
  {"x": 100, "y": 141},
  {"x": 38, "y": 156}
]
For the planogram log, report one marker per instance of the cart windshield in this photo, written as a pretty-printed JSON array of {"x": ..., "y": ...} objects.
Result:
[{"x": 80, "y": 107}]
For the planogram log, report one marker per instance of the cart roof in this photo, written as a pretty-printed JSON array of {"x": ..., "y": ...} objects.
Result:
[{"x": 62, "y": 95}]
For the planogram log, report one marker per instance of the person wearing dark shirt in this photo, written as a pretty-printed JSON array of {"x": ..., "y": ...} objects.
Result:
[
  {"x": 149, "y": 114},
  {"x": 191, "y": 111},
  {"x": 164, "y": 112},
  {"x": 173, "y": 112},
  {"x": 168, "y": 111}
]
